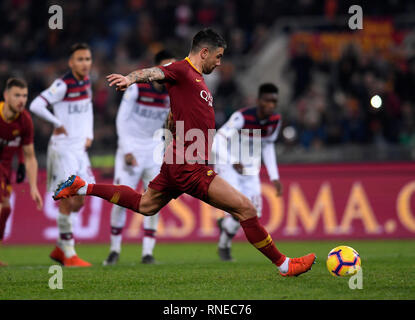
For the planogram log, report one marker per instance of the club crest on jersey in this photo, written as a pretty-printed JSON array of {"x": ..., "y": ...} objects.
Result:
[
  {"x": 207, "y": 97},
  {"x": 209, "y": 173}
]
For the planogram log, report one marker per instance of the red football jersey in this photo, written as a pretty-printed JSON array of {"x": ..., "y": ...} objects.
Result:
[
  {"x": 13, "y": 134},
  {"x": 192, "y": 103}
]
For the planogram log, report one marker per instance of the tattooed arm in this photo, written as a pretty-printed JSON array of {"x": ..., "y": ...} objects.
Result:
[{"x": 142, "y": 75}]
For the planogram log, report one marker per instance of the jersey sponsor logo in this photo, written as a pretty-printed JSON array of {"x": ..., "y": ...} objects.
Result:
[
  {"x": 146, "y": 99},
  {"x": 150, "y": 113},
  {"x": 73, "y": 94},
  {"x": 207, "y": 97},
  {"x": 11, "y": 143},
  {"x": 78, "y": 108},
  {"x": 152, "y": 98},
  {"x": 15, "y": 142}
]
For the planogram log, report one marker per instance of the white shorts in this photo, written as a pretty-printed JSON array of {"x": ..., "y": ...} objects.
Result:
[
  {"x": 63, "y": 162},
  {"x": 146, "y": 170},
  {"x": 249, "y": 185}
]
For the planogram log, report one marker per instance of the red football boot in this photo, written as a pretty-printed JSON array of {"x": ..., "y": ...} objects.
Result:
[
  {"x": 75, "y": 261},
  {"x": 297, "y": 266},
  {"x": 57, "y": 255},
  {"x": 68, "y": 188}
]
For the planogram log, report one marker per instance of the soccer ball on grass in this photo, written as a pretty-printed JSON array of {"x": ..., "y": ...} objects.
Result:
[{"x": 343, "y": 261}]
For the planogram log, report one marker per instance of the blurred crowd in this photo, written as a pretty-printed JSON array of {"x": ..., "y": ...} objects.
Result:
[
  {"x": 330, "y": 100},
  {"x": 359, "y": 98}
]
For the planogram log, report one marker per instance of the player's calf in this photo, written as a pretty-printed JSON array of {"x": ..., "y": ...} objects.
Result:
[{"x": 246, "y": 210}]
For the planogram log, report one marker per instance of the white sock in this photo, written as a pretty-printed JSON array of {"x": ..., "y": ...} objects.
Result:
[
  {"x": 118, "y": 218},
  {"x": 65, "y": 226},
  {"x": 224, "y": 240},
  {"x": 68, "y": 247},
  {"x": 148, "y": 245},
  {"x": 116, "y": 243},
  {"x": 149, "y": 223},
  {"x": 82, "y": 190},
  {"x": 284, "y": 266},
  {"x": 230, "y": 224}
]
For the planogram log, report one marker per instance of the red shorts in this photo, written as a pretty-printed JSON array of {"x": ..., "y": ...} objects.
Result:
[{"x": 176, "y": 179}]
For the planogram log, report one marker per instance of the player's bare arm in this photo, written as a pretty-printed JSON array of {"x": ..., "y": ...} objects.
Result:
[
  {"x": 142, "y": 75},
  {"x": 60, "y": 130},
  {"x": 88, "y": 143},
  {"x": 169, "y": 124},
  {"x": 278, "y": 187},
  {"x": 31, "y": 169}
]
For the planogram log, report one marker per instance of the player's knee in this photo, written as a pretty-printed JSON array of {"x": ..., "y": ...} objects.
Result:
[{"x": 247, "y": 209}]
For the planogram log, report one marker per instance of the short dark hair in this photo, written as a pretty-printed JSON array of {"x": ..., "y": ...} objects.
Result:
[
  {"x": 267, "y": 88},
  {"x": 207, "y": 37},
  {"x": 163, "y": 55},
  {"x": 15, "y": 82},
  {"x": 79, "y": 46}
]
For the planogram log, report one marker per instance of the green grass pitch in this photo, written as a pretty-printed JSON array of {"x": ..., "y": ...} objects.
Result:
[{"x": 193, "y": 271}]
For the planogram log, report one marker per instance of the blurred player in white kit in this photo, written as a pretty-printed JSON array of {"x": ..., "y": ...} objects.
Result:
[
  {"x": 243, "y": 172},
  {"x": 71, "y": 99},
  {"x": 143, "y": 110}
]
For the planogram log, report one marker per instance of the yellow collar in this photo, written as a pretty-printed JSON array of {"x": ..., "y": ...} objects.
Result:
[
  {"x": 2, "y": 114},
  {"x": 190, "y": 62}
]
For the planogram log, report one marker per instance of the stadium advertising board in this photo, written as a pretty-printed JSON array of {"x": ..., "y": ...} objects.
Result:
[{"x": 353, "y": 201}]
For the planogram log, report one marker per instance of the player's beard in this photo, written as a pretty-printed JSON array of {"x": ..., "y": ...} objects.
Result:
[
  {"x": 16, "y": 109},
  {"x": 81, "y": 75},
  {"x": 209, "y": 70}
]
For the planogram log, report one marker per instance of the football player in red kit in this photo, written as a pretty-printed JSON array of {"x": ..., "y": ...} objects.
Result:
[
  {"x": 16, "y": 131},
  {"x": 185, "y": 168}
]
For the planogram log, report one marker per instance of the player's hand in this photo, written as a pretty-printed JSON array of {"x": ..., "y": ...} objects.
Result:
[
  {"x": 238, "y": 167},
  {"x": 60, "y": 130},
  {"x": 21, "y": 173},
  {"x": 88, "y": 143},
  {"x": 34, "y": 192},
  {"x": 278, "y": 187},
  {"x": 171, "y": 126},
  {"x": 130, "y": 160},
  {"x": 121, "y": 82}
]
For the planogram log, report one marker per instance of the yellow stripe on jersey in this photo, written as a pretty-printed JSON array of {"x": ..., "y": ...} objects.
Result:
[
  {"x": 2, "y": 114},
  {"x": 115, "y": 198},
  {"x": 263, "y": 243},
  {"x": 190, "y": 62},
  {"x": 1, "y": 111}
]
